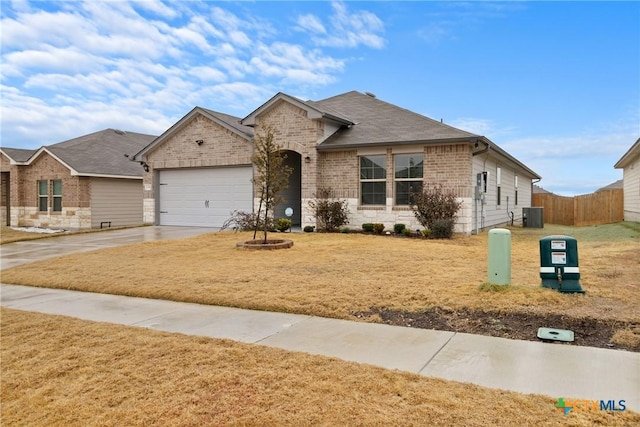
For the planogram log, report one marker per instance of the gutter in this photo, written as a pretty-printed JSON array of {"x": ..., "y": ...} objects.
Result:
[{"x": 484, "y": 150}]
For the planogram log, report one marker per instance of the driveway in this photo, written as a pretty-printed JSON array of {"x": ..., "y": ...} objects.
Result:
[{"x": 14, "y": 254}]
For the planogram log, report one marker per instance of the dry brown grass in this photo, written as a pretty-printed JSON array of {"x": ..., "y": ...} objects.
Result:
[
  {"x": 336, "y": 275},
  {"x": 58, "y": 371},
  {"x": 9, "y": 235}
]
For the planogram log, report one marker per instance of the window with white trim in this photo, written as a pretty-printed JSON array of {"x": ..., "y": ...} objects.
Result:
[
  {"x": 43, "y": 196},
  {"x": 498, "y": 178},
  {"x": 408, "y": 173},
  {"x": 57, "y": 195},
  {"x": 373, "y": 180}
]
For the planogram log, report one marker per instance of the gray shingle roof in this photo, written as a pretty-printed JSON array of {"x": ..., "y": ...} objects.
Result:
[
  {"x": 18, "y": 154},
  {"x": 378, "y": 122},
  {"x": 233, "y": 121},
  {"x": 102, "y": 153}
]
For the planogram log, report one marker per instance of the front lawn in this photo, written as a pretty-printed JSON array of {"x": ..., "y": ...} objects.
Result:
[
  {"x": 59, "y": 371},
  {"x": 356, "y": 276}
]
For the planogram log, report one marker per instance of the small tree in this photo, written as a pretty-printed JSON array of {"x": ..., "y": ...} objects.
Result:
[
  {"x": 271, "y": 177},
  {"x": 330, "y": 213},
  {"x": 434, "y": 207}
]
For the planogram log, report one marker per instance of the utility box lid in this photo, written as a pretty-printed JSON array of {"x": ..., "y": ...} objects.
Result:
[{"x": 555, "y": 334}]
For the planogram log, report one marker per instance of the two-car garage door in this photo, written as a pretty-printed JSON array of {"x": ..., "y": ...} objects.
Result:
[{"x": 203, "y": 197}]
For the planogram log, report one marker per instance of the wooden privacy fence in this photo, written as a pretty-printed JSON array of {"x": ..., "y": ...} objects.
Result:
[{"x": 603, "y": 207}]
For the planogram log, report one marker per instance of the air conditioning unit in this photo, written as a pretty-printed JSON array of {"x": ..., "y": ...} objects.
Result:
[{"x": 533, "y": 217}]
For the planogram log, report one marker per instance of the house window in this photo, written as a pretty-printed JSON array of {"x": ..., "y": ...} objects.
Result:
[
  {"x": 57, "y": 195},
  {"x": 43, "y": 196},
  {"x": 408, "y": 172},
  {"x": 373, "y": 180},
  {"x": 515, "y": 184},
  {"x": 498, "y": 178}
]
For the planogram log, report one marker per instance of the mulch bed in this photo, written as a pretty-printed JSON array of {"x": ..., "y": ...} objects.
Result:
[{"x": 521, "y": 326}]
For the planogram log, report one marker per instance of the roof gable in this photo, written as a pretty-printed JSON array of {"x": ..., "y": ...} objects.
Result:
[
  {"x": 628, "y": 157},
  {"x": 17, "y": 155},
  {"x": 313, "y": 110},
  {"x": 229, "y": 122},
  {"x": 97, "y": 154}
]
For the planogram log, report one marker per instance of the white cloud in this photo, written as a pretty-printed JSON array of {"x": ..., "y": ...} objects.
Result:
[
  {"x": 346, "y": 28},
  {"x": 141, "y": 65},
  {"x": 310, "y": 23},
  {"x": 157, "y": 7}
]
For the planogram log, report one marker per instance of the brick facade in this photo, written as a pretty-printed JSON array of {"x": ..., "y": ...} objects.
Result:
[
  {"x": 220, "y": 147},
  {"x": 296, "y": 132},
  {"x": 23, "y": 189},
  {"x": 449, "y": 165}
]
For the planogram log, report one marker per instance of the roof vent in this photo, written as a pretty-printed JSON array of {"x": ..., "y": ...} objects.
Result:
[
  {"x": 119, "y": 132},
  {"x": 373, "y": 95}
]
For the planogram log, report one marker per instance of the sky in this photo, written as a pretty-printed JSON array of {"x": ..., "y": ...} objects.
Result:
[{"x": 555, "y": 84}]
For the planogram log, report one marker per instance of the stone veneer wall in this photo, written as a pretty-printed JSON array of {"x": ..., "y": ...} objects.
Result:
[{"x": 221, "y": 147}]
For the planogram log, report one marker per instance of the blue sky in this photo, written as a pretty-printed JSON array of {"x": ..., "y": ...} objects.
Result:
[{"x": 556, "y": 84}]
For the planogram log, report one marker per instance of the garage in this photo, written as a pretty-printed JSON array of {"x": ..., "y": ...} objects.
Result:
[{"x": 203, "y": 197}]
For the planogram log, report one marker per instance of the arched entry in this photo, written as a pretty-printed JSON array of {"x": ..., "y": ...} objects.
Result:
[{"x": 292, "y": 195}]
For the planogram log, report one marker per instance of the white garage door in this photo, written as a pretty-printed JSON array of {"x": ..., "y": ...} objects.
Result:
[{"x": 203, "y": 197}]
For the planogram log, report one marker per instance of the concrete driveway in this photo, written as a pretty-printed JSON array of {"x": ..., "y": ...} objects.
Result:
[{"x": 14, "y": 254}]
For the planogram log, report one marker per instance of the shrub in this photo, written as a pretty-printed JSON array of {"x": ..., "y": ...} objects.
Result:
[
  {"x": 245, "y": 221},
  {"x": 283, "y": 224},
  {"x": 378, "y": 228},
  {"x": 442, "y": 229},
  {"x": 368, "y": 227},
  {"x": 308, "y": 229},
  {"x": 436, "y": 204},
  {"x": 330, "y": 213},
  {"x": 346, "y": 230},
  {"x": 399, "y": 228},
  {"x": 407, "y": 232},
  {"x": 426, "y": 232}
]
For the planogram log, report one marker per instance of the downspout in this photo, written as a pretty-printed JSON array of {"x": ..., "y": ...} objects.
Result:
[{"x": 475, "y": 211}]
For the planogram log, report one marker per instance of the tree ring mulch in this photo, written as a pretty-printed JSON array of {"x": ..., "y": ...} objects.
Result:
[
  {"x": 515, "y": 325},
  {"x": 271, "y": 244}
]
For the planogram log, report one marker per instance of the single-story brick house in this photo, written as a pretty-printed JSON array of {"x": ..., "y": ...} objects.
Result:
[
  {"x": 369, "y": 152},
  {"x": 630, "y": 165},
  {"x": 82, "y": 183}
]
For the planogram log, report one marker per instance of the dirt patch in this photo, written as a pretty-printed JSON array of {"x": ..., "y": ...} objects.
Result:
[{"x": 521, "y": 326}]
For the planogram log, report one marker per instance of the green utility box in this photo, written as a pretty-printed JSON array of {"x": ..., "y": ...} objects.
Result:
[
  {"x": 499, "y": 270},
  {"x": 559, "y": 264}
]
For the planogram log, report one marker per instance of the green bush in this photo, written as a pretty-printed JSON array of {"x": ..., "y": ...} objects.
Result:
[
  {"x": 282, "y": 224},
  {"x": 309, "y": 229},
  {"x": 407, "y": 232},
  {"x": 378, "y": 228},
  {"x": 346, "y": 230},
  {"x": 426, "y": 233},
  {"x": 368, "y": 227},
  {"x": 399, "y": 228},
  {"x": 442, "y": 228}
]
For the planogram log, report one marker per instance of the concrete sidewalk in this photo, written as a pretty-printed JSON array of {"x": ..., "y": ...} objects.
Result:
[{"x": 555, "y": 370}]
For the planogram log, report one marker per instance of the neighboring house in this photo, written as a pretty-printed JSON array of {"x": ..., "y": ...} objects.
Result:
[
  {"x": 539, "y": 190},
  {"x": 630, "y": 165},
  {"x": 613, "y": 186},
  {"x": 86, "y": 182},
  {"x": 369, "y": 152}
]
